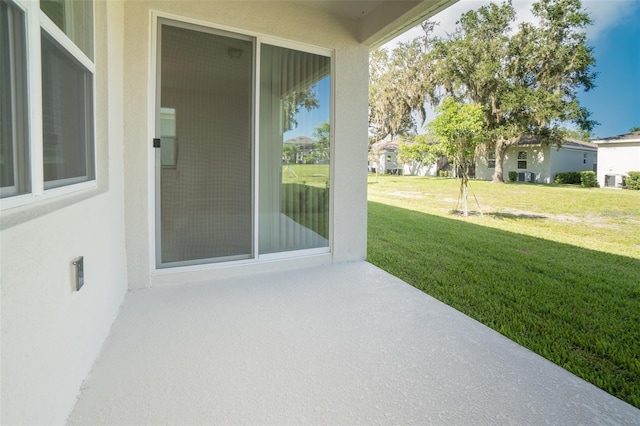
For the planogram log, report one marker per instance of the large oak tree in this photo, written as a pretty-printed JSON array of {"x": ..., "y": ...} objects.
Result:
[{"x": 526, "y": 80}]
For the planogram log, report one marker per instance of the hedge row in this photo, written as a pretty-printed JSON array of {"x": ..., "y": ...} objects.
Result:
[
  {"x": 632, "y": 181},
  {"x": 585, "y": 179}
]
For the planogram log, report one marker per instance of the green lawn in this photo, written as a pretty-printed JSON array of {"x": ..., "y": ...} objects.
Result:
[
  {"x": 309, "y": 174},
  {"x": 554, "y": 268}
]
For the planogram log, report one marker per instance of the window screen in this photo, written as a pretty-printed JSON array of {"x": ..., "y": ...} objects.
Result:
[{"x": 67, "y": 115}]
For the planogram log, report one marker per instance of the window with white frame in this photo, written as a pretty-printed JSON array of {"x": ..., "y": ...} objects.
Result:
[
  {"x": 14, "y": 137},
  {"x": 491, "y": 160},
  {"x": 52, "y": 46},
  {"x": 522, "y": 159}
]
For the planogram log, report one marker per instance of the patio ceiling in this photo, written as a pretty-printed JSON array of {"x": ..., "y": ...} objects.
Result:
[
  {"x": 379, "y": 21},
  {"x": 339, "y": 344}
]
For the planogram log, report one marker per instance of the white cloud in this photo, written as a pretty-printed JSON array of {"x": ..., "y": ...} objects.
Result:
[{"x": 605, "y": 14}]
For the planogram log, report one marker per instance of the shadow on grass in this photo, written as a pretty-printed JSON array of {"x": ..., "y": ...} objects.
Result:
[
  {"x": 515, "y": 216},
  {"x": 577, "y": 307}
]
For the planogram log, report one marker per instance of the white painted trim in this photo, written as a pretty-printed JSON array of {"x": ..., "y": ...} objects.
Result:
[
  {"x": 34, "y": 89},
  {"x": 153, "y": 186},
  {"x": 293, "y": 254},
  {"x": 255, "y": 109},
  {"x": 65, "y": 41},
  {"x": 198, "y": 273},
  {"x": 47, "y": 195},
  {"x": 276, "y": 41}
]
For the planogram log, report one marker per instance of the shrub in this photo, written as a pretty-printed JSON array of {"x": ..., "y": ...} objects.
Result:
[
  {"x": 568, "y": 178},
  {"x": 588, "y": 179},
  {"x": 632, "y": 181},
  {"x": 513, "y": 176},
  {"x": 444, "y": 173}
]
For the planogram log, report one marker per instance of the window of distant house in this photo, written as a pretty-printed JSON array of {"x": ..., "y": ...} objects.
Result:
[
  {"x": 584, "y": 158},
  {"x": 491, "y": 160},
  {"x": 522, "y": 159},
  {"x": 61, "y": 150}
]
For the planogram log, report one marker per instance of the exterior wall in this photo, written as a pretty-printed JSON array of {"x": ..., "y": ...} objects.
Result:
[
  {"x": 571, "y": 159},
  {"x": 383, "y": 162},
  {"x": 544, "y": 161},
  {"x": 483, "y": 172},
  {"x": 51, "y": 334},
  {"x": 617, "y": 159},
  {"x": 293, "y": 22},
  {"x": 419, "y": 169},
  {"x": 535, "y": 163}
]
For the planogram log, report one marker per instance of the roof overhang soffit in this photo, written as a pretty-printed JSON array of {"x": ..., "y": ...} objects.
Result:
[
  {"x": 375, "y": 22},
  {"x": 392, "y": 18}
]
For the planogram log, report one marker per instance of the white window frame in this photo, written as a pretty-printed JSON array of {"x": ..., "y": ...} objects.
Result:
[
  {"x": 37, "y": 21},
  {"x": 491, "y": 157},
  {"x": 525, "y": 159},
  {"x": 17, "y": 162},
  {"x": 256, "y": 258}
]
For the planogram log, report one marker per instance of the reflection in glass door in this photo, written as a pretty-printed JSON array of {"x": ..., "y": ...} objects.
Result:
[
  {"x": 295, "y": 129},
  {"x": 204, "y": 119}
]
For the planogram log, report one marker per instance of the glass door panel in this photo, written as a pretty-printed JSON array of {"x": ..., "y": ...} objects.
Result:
[
  {"x": 295, "y": 112},
  {"x": 204, "y": 120}
]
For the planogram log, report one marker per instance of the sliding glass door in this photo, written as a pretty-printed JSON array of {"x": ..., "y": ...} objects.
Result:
[{"x": 207, "y": 106}]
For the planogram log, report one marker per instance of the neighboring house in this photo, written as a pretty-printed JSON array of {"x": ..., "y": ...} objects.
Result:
[
  {"x": 383, "y": 158},
  {"x": 617, "y": 156},
  {"x": 91, "y": 90},
  {"x": 535, "y": 162},
  {"x": 298, "y": 150}
]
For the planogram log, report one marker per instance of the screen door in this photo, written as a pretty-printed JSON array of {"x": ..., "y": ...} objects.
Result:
[{"x": 204, "y": 110}]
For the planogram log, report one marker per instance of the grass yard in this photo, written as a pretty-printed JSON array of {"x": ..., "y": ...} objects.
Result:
[
  {"x": 308, "y": 174},
  {"x": 554, "y": 268}
]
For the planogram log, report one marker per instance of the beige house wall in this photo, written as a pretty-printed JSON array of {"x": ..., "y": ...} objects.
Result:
[{"x": 52, "y": 334}]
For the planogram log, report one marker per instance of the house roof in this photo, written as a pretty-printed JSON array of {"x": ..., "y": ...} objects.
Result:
[
  {"x": 378, "y": 21},
  {"x": 567, "y": 142},
  {"x": 626, "y": 138},
  {"x": 300, "y": 141},
  {"x": 384, "y": 146}
]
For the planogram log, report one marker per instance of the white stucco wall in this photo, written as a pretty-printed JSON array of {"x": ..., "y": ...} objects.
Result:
[
  {"x": 293, "y": 22},
  {"x": 571, "y": 159},
  {"x": 51, "y": 334},
  {"x": 535, "y": 163},
  {"x": 617, "y": 159},
  {"x": 544, "y": 161},
  {"x": 420, "y": 169}
]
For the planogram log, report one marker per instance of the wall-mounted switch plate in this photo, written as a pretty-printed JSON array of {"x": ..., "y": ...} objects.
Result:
[{"x": 78, "y": 272}]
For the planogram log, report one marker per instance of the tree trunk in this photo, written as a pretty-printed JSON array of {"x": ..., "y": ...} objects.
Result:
[
  {"x": 464, "y": 191},
  {"x": 501, "y": 147}
]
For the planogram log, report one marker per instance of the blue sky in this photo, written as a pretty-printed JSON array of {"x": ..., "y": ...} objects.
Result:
[
  {"x": 615, "y": 37},
  {"x": 309, "y": 120},
  {"x": 615, "y": 103}
]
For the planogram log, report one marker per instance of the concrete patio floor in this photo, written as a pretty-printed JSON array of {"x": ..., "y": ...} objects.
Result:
[{"x": 340, "y": 344}]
